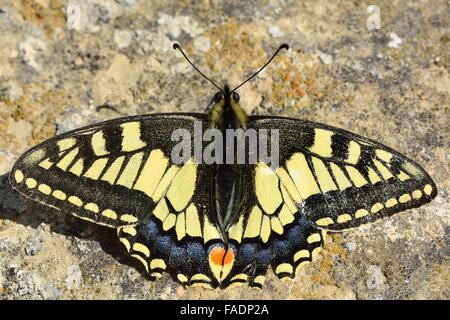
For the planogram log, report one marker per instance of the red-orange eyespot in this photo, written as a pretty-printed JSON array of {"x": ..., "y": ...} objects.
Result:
[{"x": 219, "y": 256}]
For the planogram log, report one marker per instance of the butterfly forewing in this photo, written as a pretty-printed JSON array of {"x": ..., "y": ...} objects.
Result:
[
  {"x": 106, "y": 173},
  {"x": 340, "y": 180}
]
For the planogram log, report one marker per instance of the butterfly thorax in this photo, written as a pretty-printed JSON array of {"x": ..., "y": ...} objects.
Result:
[{"x": 228, "y": 178}]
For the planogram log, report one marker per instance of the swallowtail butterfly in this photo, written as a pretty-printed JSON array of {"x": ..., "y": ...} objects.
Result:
[{"x": 220, "y": 225}]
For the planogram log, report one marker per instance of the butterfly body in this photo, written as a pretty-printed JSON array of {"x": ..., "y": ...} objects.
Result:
[
  {"x": 228, "y": 179},
  {"x": 220, "y": 224}
]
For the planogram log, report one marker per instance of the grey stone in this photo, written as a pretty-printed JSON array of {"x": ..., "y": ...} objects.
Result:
[
  {"x": 126, "y": 2},
  {"x": 33, "y": 245},
  {"x": 202, "y": 43},
  {"x": 351, "y": 246},
  {"x": 325, "y": 57},
  {"x": 54, "y": 73},
  {"x": 395, "y": 41},
  {"x": 275, "y": 32},
  {"x": 5, "y": 243},
  {"x": 376, "y": 279},
  {"x": 123, "y": 38},
  {"x": 11, "y": 202},
  {"x": 27, "y": 282},
  {"x": 50, "y": 292},
  {"x": 31, "y": 51},
  {"x": 74, "y": 279}
]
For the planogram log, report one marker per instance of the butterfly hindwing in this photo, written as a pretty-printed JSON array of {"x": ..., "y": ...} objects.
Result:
[
  {"x": 176, "y": 236},
  {"x": 271, "y": 231},
  {"x": 340, "y": 180}
]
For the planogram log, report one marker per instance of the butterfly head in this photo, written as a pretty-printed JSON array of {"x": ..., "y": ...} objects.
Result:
[
  {"x": 226, "y": 104},
  {"x": 226, "y": 95}
]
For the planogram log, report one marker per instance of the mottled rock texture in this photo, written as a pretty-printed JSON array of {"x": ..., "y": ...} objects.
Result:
[{"x": 60, "y": 60}]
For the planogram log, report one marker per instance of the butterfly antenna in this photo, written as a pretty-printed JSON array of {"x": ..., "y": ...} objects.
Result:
[
  {"x": 177, "y": 46},
  {"x": 283, "y": 46}
]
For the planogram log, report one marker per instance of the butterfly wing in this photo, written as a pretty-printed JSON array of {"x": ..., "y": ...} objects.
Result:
[
  {"x": 340, "y": 180},
  {"x": 175, "y": 237},
  {"x": 327, "y": 179},
  {"x": 119, "y": 174},
  {"x": 270, "y": 230},
  {"x": 106, "y": 173}
]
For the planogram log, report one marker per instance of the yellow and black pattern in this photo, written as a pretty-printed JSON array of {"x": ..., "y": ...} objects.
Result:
[
  {"x": 271, "y": 230},
  {"x": 339, "y": 180},
  {"x": 119, "y": 174},
  {"x": 328, "y": 179},
  {"x": 111, "y": 173}
]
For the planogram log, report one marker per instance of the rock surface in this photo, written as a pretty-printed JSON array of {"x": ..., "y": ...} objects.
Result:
[{"x": 60, "y": 60}]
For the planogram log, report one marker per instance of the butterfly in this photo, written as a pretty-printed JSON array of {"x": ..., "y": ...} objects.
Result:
[{"x": 220, "y": 224}]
